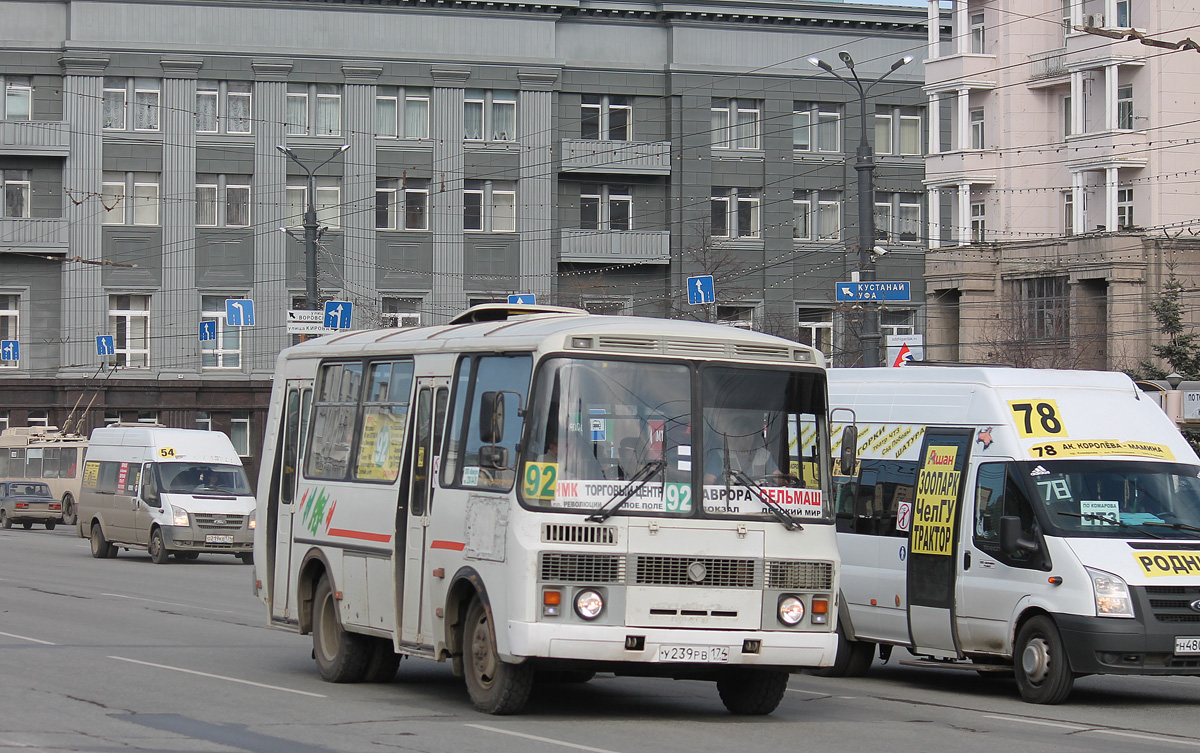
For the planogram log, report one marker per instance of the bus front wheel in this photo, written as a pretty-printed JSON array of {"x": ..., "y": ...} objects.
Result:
[
  {"x": 752, "y": 692},
  {"x": 495, "y": 686},
  {"x": 341, "y": 656}
]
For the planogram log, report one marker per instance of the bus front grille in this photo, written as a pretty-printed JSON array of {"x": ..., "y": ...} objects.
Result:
[
  {"x": 562, "y": 533},
  {"x": 710, "y": 572},
  {"x": 569, "y": 567},
  {"x": 799, "y": 576}
]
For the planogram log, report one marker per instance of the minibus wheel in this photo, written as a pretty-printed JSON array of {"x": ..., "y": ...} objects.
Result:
[
  {"x": 752, "y": 691},
  {"x": 158, "y": 550},
  {"x": 853, "y": 658},
  {"x": 341, "y": 656},
  {"x": 1040, "y": 661},
  {"x": 495, "y": 686},
  {"x": 101, "y": 549}
]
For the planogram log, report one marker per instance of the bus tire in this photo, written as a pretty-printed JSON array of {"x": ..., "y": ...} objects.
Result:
[
  {"x": 158, "y": 550},
  {"x": 854, "y": 659},
  {"x": 247, "y": 558},
  {"x": 101, "y": 549},
  {"x": 384, "y": 661},
  {"x": 752, "y": 692},
  {"x": 1043, "y": 672},
  {"x": 341, "y": 656},
  {"x": 50, "y": 525},
  {"x": 495, "y": 686},
  {"x": 5, "y": 521},
  {"x": 68, "y": 508}
]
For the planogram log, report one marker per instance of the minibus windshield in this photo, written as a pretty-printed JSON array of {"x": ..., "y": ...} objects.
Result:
[
  {"x": 202, "y": 478},
  {"x": 1115, "y": 498}
]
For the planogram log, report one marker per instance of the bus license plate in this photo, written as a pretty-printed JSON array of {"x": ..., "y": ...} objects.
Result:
[
  {"x": 216, "y": 538},
  {"x": 709, "y": 654},
  {"x": 1187, "y": 645}
]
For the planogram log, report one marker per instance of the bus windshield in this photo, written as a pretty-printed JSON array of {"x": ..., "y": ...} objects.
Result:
[
  {"x": 210, "y": 478},
  {"x": 1116, "y": 498},
  {"x": 619, "y": 436}
]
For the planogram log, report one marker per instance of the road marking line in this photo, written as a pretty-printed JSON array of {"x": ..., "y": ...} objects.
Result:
[
  {"x": 168, "y": 603},
  {"x": 218, "y": 677},
  {"x": 1152, "y": 738},
  {"x": 1024, "y": 720},
  {"x": 549, "y": 740},
  {"x": 808, "y": 692},
  {"x": 25, "y": 638}
]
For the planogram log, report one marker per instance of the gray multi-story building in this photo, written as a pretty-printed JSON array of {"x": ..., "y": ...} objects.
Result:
[{"x": 594, "y": 154}]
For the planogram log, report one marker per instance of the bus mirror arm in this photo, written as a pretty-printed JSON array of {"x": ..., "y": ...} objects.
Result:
[{"x": 1011, "y": 542}]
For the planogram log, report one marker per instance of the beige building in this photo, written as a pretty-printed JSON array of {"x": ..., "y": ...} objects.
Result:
[{"x": 1061, "y": 177}]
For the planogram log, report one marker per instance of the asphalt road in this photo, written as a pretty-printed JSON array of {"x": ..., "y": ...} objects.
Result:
[{"x": 124, "y": 655}]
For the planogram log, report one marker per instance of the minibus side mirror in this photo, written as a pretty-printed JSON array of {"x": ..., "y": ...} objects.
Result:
[
  {"x": 1011, "y": 542},
  {"x": 491, "y": 417},
  {"x": 849, "y": 457}
]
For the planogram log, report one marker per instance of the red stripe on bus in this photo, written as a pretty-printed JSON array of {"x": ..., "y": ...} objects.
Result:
[
  {"x": 454, "y": 545},
  {"x": 363, "y": 535}
]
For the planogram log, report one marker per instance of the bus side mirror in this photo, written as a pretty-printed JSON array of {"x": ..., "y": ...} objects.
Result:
[
  {"x": 849, "y": 457},
  {"x": 491, "y": 417},
  {"x": 1011, "y": 542}
]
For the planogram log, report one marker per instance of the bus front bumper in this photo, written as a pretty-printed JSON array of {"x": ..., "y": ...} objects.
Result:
[{"x": 608, "y": 643}]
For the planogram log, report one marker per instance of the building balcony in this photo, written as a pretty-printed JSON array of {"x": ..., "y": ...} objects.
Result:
[
  {"x": 1128, "y": 148},
  {"x": 616, "y": 246},
  {"x": 953, "y": 71},
  {"x": 631, "y": 157},
  {"x": 40, "y": 234},
  {"x": 1048, "y": 65},
  {"x": 973, "y": 166},
  {"x": 41, "y": 138}
]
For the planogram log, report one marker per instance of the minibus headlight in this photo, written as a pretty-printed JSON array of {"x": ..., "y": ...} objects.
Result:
[
  {"x": 589, "y": 604},
  {"x": 180, "y": 516},
  {"x": 1112, "y": 594},
  {"x": 791, "y": 610}
]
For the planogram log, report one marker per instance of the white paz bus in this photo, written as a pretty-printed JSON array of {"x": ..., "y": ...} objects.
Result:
[{"x": 538, "y": 491}]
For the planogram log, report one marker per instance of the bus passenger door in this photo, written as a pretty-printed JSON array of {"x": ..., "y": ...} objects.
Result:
[
  {"x": 431, "y": 414},
  {"x": 282, "y": 502}
]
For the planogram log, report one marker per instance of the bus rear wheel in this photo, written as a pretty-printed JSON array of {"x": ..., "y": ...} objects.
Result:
[
  {"x": 68, "y": 508},
  {"x": 495, "y": 686},
  {"x": 341, "y": 656},
  {"x": 752, "y": 692}
]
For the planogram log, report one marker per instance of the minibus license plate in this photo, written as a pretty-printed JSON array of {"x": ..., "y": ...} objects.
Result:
[
  {"x": 1187, "y": 645},
  {"x": 710, "y": 654},
  {"x": 217, "y": 538}
]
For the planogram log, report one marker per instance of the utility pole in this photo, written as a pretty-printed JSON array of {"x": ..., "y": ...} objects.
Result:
[
  {"x": 311, "y": 226},
  {"x": 865, "y": 165}
]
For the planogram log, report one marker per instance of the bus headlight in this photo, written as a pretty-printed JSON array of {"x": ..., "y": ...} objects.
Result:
[
  {"x": 791, "y": 610},
  {"x": 589, "y": 604},
  {"x": 180, "y": 516},
  {"x": 1112, "y": 594},
  {"x": 253, "y": 522}
]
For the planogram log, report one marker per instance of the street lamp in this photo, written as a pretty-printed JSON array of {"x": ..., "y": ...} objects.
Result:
[
  {"x": 310, "y": 224},
  {"x": 865, "y": 165}
]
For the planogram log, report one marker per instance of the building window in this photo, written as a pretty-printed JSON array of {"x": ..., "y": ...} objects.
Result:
[
  {"x": 977, "y": 37},
  {"x": 18, "y": 191},
  {"x": 1123, "y": 17},
  {"x": 898, "y": 217},
  {"x": 223, "y": 201},
  {"x": 37, "y": 418},
  {"x": 883, "y": 133},
  {"x": 909, "y": 227},
  {"x": 129, "y": 198},
  {"x": 1043, "y": 303},
  {"x": 402, "y": 312},
  {"x": 1125, "y": 108},
  {"x": 977, "y": 141},
  {"x": 18, "y": 98},
  {"x": 606, "y": 208},
  {"x": 736, "y": 124},
  {"x": 402, "y": 112},
  {"x": 1068, "y": 212},
  {"x": 816, "y": 330},
  {"x": 10, "y": 323},
  {"x": 143, "y": 92},
  {"x": 226, "y": 351},
  {"x": 892, "y": 322},
  {"x": 816, "y": 127},
  {"x": 741, "y": 316},
  {"x": 1066, "y": 109},
  {"x": 801, "y": 216},
  {"x": 327, "y": 201},
  {"x": 490, "y": 114},
  {"x": 829, "y": 216},
  {"x": 489, "y": 206},
  {"x": 911, "y": 132},
  {"x": 883, "y": 220},
  {"x": 735, "y": 213},
  {"x": 129, "y": 325},
  {"x": 239, "y": 432},
  {"x": 607, "y": 117},
  {"x": 203, "y": 421},
  {"x": 223, "y": 107},
  {"x": 114, "y": 103},
  {"x": 1124, "y": 208},
  {"x": 896, "y": 133},
  {"x": 978, "y": 225},
  {"x": 402, "y": 204},
  {"x": 314, "y": 109}
]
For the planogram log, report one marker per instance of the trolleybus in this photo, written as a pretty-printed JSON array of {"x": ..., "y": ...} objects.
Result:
[
  {"x": 538, "y": 494},
  {"x": 46, "y": 454}
]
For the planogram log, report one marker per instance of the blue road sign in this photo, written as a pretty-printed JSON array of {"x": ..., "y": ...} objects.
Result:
[
  {"x": 873, "y": 291},
  {"x": 208, "y": 330},
  {"x": 337, "y": 314},
  {"x": 10, "y": 350},
  {"x": 701, "y": 290},
  {"x": 105, "y": 345},
  {"x": 239, "y": 312},
  {"x": 527, "y": 299}
]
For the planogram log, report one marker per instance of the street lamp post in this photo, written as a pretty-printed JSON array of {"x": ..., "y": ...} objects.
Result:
[
  {"x": 310, "y": 225},
  {"x": 865, "y": 165}
]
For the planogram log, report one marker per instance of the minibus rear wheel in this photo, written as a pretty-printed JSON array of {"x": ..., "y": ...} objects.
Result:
[
  {"x": 341, "y": 656},
  {"x": 853, "y": 659},
  {"x": 495, "y": 686}
]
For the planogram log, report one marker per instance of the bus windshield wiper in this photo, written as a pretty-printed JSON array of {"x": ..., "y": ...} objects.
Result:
[
  {"x": 1173, "y": 526},
  {"x": 636, "y": 482},
  {"x": 776, "y": 509},
  {"x": 1106, "y": 519}
]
